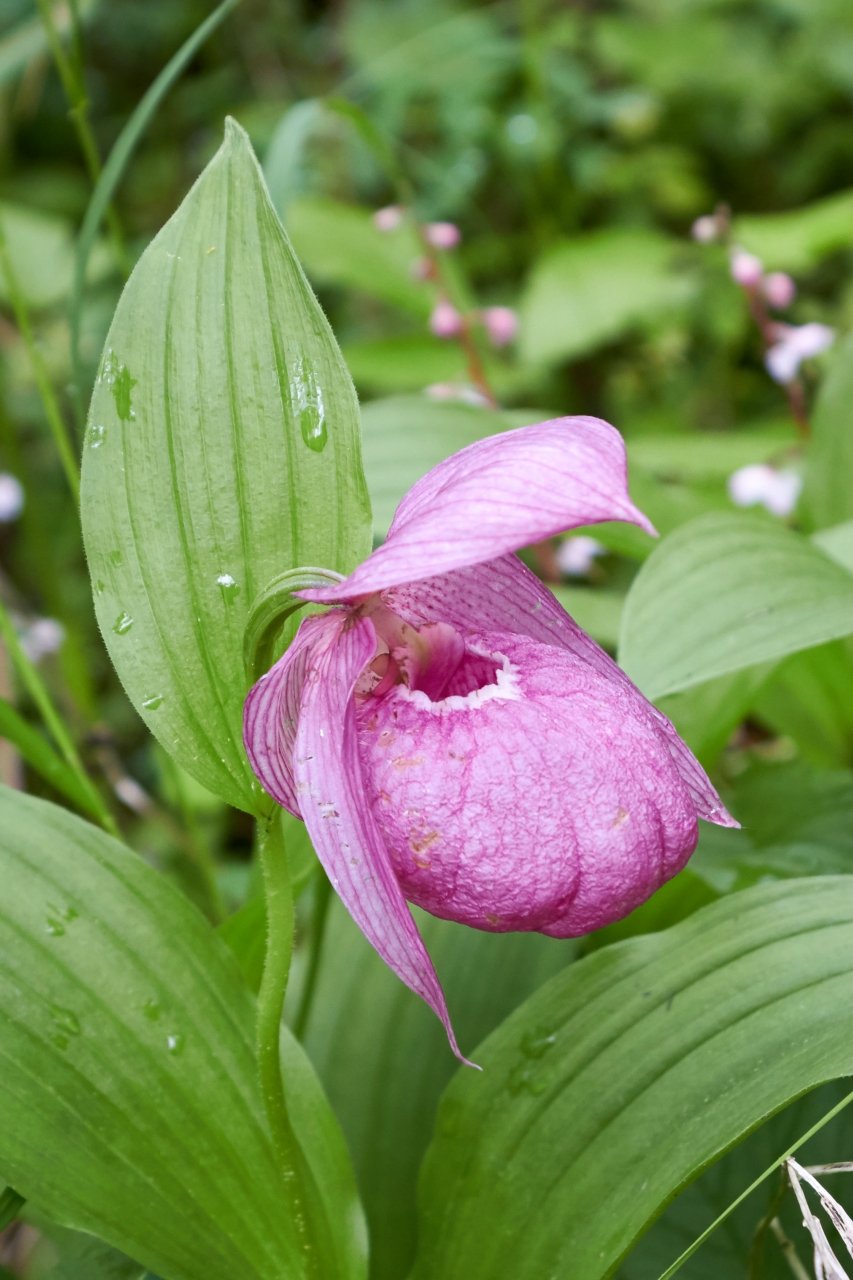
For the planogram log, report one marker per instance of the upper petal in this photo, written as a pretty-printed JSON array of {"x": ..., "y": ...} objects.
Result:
[
  {"x": 495, "y": 496},
  {"x": 331, "y": 793},
  {"x": 503, "y": 595}
]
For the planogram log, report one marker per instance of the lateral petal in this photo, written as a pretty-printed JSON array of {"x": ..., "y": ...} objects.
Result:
[
  {"x": 498, "y": 495},
  {"x": 271, "y": 711},
  {"x": 335, "y": 808},
  {"x": 503, "y": 595}
]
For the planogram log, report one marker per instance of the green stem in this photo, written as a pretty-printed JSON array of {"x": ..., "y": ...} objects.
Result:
[
  {"x": 75, "y": 91},
  {"x": 48, "y": 397},
  {"x": 279, "y": 950},
  {"x": 36, "y": 688},
  {"x": 318, "y": 928}
]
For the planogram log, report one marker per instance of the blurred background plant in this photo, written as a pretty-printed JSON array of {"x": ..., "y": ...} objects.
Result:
[{"x": 640, "y": 209}]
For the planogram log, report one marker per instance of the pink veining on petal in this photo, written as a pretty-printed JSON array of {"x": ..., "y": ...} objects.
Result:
[
  {"x": 498, "y": 495},
  {"x": 271, "y": 711},
  {"x": 504, "y": 595},
  {"x": 331, "y": 794},
  {"x": 450, "y": 782}
]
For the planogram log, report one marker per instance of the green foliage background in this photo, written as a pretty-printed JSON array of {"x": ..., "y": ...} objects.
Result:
[{"x": 574, "y": 144}]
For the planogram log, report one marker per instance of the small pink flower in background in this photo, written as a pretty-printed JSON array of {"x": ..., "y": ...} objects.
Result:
[
  {"x": 445, "y": 321},
  {"x": 576, "y": 556},
  {"x": 746, "y": 269},
  {"x": 389, "y": 218},
  {"x": 501, "y": 324},
  {"x": 451, "y": 737},
  {"x": 779, "y": 290},
  {"x": 11, "y": 498},
  {"x": 761, "y": 485},
  {"x": 442, "y": 235},
  {"x": 795, "y": 344},
  {"x": 705, "y": 230}
]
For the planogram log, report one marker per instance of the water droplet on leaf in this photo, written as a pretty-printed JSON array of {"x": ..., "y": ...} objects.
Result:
[
  {"x": 306, "y": 396},
  {"x": 175, "y": 1043},
  {"x": 122, "y": 624},
  {"x": 153, "y": 702},
  {"x": 151, "y": 1009},
  {"x": 229, "y": 587},
  {"x": 95, "y": 435}
]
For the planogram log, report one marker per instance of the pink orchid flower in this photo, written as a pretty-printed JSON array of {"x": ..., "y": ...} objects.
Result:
[{"x": 452, "y": 737}]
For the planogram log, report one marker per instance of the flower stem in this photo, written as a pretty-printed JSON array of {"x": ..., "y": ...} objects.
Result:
[
  {"x": 322, "y": 901},
  {"x": 70, "y": 74},
  {"x": 46, "y": 392},
  {"x": 36, "y": 688},
  {"x": 279, "y": 950}
]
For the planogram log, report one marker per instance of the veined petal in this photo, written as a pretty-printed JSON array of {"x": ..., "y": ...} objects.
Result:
[
  {"x": 332, "y": 799},
  {"x": 497, "y": 495},
  {"x": 271, "y": 712},
  {"x": 503, "y": 595}
]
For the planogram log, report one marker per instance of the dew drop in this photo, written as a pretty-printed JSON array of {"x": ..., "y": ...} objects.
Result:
[
  {"x": 228, "y": 586},
  {"x": 175, "y": 1043},
  {"x": 536, "y": 1043},
  {"x": 306, "y": 396},
  {"x": 153, "y": 702},
  {"x": 312, "y": 424},
  {"x": 95, "y": 435},
  {"x": 99, "y": 585},
  {"x": 525, "y": 1080},
  {"x": 123, "y": 623},
  {"x": 116, "y": 557},
  {"x": 151, "y": 1009},
  {"x": 55, "y": 927},
  {"x": 65, "y": 1022}
]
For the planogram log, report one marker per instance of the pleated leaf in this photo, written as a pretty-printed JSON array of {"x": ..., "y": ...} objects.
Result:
[
  {"x": 621, "y": 1079},
  {"x": 129, "y": 1106},
  {"x": 725, "y": 592},
  {"x": 222, "y": 449}
]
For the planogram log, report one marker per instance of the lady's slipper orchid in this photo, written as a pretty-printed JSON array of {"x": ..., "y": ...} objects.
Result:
[{"x": 449, "y": 734}]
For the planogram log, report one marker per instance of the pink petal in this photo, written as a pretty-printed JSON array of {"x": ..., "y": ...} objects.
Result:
[
  {"x": 495, "y": 496},
  {"x": 271, "y": 712},
  {"x": 342, "y": 827},
  {"x": 606, "y": 823},
  {"x": 503, "y": 595}
]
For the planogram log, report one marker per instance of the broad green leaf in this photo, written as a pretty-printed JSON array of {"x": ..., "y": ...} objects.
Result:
[
  {"x": 837, "y": 543},
  {"x": 828, "y": 493},
  {"x": 339, "y": 245},
  {"x": 404, "y": 436},
  {"x": 222, "y": 449},
  {"x": 710, "y": 455},
  {"x": 725, "y": 1254},
  {"x": 622, "y": 1078},
  {"x": 42, "y": 253},
  {"x": 404, "y": 363},
  {"x": 386, "y": 1099},
  {"x": 725, "y": 592},
  {"x": 810, "y": 699},
  {"x": 597, "y": 610},
  {"x": 800, "y": 238},
  {"x": 706, "y": 715},
  {"x": 130, "y": 1107},
  {"x": 593, "y": 289}
]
